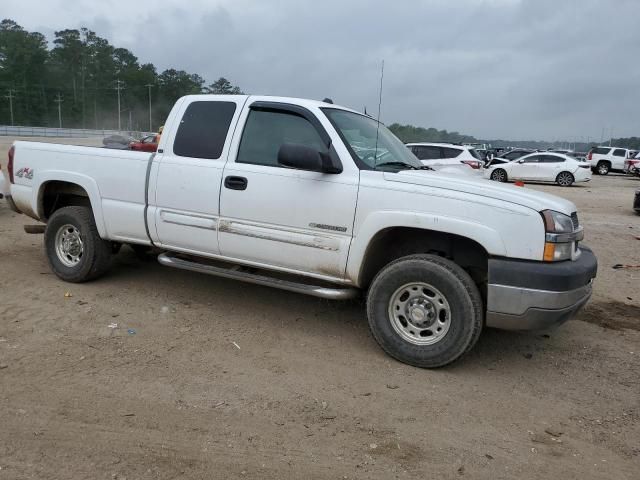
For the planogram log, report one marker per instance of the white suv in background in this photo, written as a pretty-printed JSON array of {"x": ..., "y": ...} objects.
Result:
[
  {"x": 440, "y": 155},
  {"x": 605, "y": 159}
]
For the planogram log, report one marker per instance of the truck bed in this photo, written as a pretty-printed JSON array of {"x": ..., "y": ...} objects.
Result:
[{"x": 113, "y": 179}]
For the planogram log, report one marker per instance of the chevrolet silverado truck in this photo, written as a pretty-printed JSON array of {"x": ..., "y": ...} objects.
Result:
[{"x": 318, "y": 199}]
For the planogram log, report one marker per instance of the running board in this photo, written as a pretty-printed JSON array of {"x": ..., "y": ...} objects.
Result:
[{"x": 245, "y": 274}]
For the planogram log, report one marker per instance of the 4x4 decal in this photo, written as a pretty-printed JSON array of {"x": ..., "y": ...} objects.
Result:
[{"x": 25, "y": 172}]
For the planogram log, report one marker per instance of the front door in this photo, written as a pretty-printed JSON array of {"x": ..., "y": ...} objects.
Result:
[
  {"x": 293, "y": 219},
  {"x": 526, "y": 168}
]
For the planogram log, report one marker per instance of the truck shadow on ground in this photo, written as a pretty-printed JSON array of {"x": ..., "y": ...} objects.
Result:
[{"x": 343, "y": 322}]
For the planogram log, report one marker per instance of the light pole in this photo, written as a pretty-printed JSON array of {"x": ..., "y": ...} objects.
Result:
[
  {"x": 10, "y": 96},
  {"x": 149, "y": 85},
  {"x": 118, "y": 88},
  {"x": 58, "y": 100}
]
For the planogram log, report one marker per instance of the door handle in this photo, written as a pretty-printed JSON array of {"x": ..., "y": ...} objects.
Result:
[{"x": 235, "y": 183}]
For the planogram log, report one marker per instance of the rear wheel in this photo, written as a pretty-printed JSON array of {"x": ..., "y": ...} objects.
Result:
[
  {"x": 565, "y": 179},
  {"x": 603, "y": 168},
  {"x": 424, "y": 310},
  {"x": 74, "y": 248},
  {"x": 499, "y": 175}
]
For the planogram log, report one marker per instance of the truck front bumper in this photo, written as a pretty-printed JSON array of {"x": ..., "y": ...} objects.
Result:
[{"x": 527, "y": 295}]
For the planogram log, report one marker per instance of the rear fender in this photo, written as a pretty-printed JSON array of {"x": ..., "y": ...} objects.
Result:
[{"x": 87, "y": 183}]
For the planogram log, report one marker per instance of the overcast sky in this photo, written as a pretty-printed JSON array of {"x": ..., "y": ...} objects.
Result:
[{"x": 513, "y": 69}]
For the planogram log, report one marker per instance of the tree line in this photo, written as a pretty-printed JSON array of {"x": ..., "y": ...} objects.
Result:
[{"x": 77, "y": 82}]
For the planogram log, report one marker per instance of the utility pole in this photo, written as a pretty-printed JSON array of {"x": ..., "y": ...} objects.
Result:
[
  {"x": 10, "y": 96},
  {"x": 149, "y": 85},
  {"x": 118, "y": 88},
  {"x": 611, "y": 136},
  {"x": 58, "y": 100}
]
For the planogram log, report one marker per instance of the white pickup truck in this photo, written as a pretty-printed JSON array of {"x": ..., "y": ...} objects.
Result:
[{"x": 318, "y": 199}]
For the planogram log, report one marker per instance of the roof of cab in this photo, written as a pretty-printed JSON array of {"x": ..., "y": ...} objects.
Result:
[{"x": 303, "y": 102}]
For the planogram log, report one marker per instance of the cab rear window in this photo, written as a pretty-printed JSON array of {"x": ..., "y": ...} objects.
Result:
[{"x": 203, "y": 129}]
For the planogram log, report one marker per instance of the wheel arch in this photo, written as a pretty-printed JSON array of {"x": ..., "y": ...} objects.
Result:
[
  {"x": 469, "y": 244},
  {"x": 63, "y": 190}
]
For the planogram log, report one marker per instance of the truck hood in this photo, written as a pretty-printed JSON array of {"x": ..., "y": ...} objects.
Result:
[{"x": 486, "y": 188}]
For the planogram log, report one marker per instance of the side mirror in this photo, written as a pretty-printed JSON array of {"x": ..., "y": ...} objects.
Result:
[{"x": 302, "y": 157}]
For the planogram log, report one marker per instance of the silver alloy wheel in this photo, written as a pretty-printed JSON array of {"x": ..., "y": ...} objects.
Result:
[
  {"x": 419, "y": 313},
  {"x": 603, "y": 169},
  {"x": 498, "y": 175},
  {"x": 565, "y": 179},
  {"x": 69, "y": 246}
]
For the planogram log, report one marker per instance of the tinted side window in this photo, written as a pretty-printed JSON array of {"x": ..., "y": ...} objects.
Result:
[
  {"x": 551, "y": 159},
  {"x": 601, "y": 150},
  {"x": 203, "y": 129},
  {"x": 514, "y": 155},
  {"x": 267, "y": 130},
  {"x": 428, "y": 152},
  {"x": 450, "y": 152},
  {"x": 620, "y": 152},
  {"x": 533, "y": 159}
]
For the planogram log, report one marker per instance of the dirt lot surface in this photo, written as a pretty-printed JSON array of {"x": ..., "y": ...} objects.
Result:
[{"x": 209, "y": 378}]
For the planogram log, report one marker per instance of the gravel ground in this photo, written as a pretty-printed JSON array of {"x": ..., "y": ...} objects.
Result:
[{"x": 153, "y": 373}]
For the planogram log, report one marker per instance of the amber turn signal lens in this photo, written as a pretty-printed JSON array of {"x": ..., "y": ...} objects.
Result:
[{"x": 549, "y": 252}]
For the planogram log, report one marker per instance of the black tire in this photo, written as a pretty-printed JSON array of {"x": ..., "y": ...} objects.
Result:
[
  {"x": 499, "y": 175},
  {"x": 96, "y": 252},
  {"x": 460, "y": 292},
  {"x": 565, "y": 179},
  {"x": 603, "y": 168}
]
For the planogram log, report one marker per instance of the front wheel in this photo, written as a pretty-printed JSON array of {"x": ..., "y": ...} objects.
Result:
[
  {"x": 499, "y": 175},
  {"x": 565, "y": 179},
  {"x": 424, "y": 310},
  {"x": 74, "y": 248}
]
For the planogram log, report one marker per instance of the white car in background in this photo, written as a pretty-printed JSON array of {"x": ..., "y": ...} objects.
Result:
[
  {"x": 606, "y": 159},
  {"x": 542, "y": 167},
  {"x": 448, "y": 156}
]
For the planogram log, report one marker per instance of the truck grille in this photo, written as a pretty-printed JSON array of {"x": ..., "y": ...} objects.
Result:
[{"x": 574, "y": 220}]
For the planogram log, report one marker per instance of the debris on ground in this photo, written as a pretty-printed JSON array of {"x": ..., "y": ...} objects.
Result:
[
  {"x": 113, "y": 325},
  {"x": 619, "y": 266},
  {"x": 131, "y": 331},
  {"x": 68, "y": 295},
  {"x": 392, "y": 386}
]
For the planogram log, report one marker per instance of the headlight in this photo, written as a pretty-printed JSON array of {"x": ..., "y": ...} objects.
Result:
[
  {"x": 560, "y": 236},
  {"x": 556, "y": 222}
]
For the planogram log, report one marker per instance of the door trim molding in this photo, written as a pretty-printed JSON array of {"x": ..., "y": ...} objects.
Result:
[
  {"x": 279, "y": 234},
  {"x": 189, "y": 219}
]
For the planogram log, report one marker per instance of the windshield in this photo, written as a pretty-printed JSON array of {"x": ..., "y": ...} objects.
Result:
[{"x": 377, "y": 148}]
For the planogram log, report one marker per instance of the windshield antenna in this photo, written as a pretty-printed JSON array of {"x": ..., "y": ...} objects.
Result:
[{"x": 375, "y": 160}]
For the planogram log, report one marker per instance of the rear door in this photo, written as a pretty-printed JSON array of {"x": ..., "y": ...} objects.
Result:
[
  {"x": 188, "y": 172},
  {"x": 280, "y": 217},
  {"x": 618, "y": 157},
  {"x": 549, "y": 166}
]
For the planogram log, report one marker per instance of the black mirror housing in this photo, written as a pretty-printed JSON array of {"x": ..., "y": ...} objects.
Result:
[{"x": 302, "y": 157}]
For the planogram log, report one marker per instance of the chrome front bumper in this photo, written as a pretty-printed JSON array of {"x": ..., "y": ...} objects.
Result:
[{"x": 515, "y": 308}]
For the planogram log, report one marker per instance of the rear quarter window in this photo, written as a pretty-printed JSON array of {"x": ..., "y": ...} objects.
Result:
[
  {"x": 203, "y": 129},
  {"x": 601, "y": 150},
  {"x": 450, "y": 152}
]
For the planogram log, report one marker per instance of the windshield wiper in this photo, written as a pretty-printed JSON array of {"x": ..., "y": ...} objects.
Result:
[{"x": 402, "y": 164}]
